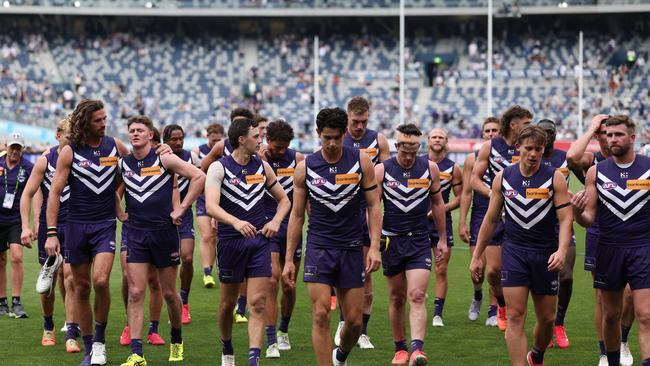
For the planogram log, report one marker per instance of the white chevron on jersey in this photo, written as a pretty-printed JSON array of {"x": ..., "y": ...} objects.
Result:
[
  {"x": 517, "y": 207},
  {"x": 90, "y": 179},
  {"x": 343, "y": 194},
  {"x": 497, "y": 166},
  {"x": 285, "y": 182},
  {"x": 183, "y": 182},
  {"x": 247, "y": 195},
  {"x": 47, "y": 182},
  {"x": 417, "y": 197},
  {"x": 627, "y": 206},
  {"x": 142, "y": 192},
  {"x": 445, "y": 184}
]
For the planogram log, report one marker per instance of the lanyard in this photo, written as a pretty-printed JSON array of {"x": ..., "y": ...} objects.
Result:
[{"x": 20, "y": 172}]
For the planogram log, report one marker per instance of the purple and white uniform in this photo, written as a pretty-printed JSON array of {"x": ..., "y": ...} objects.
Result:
[
  {"x": 480, "y": 205},
  {"x": 446, "y": 167},
  {"x": 152, "y": 236},
  {"x": 12, "y": 182},
  {"x": 334, "y": 242},
  {"x": 501, "y": 156},
  {"x": 186, "y": 228},
  {"x": 369, "y": 144},
  {"x": 91, "y": 206},
  {"x": 51, "y": 157},
  {"x": 406, "y": 194},
  {"x": 242, "y": 195},
  {"x": 204, "y": 150},
  {"x": 558, "y": 161},
  {"x": 529, "y": 230},
  {"x": 623, "y": 255},
  {"x": 591, "y": 233},
  {"x": 284, "y": 169}
]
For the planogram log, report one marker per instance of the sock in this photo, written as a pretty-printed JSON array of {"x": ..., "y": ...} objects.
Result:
[
  {"x": 646, "y": 362},
  {"x": 177, "y": 336},
  {"x": 73, "y": 331},
  {"x": 559, "y": 317},
  {"x": 100, "y": 330},
  {"x": 254, "y": 356},
  {"x": 501, "y": 301},
  {"x": 341, "y": 314},
  {"x": 271, "y": 337},
  {"x": 341, "y": 356},
  {"x": 625, "y": 331},
  {"x": 15, "y": 299},
  {"x": 537, "y": 356},
  {"x": 88, "y": 344},
  {"x": 438, "y": 305},
  {"x": 226, "y": 347},
  {"x": 136, "y": 346},
  {"x": 185, "y": 294},
  {"x": 284, "y": 324},
  {"x": 478, "y": 294},
  {"x": 492, "y": 310},
  {"x": 153, "y": 327},
  {"x": 417, "y": 345},
  {"x": 400, "y": 345},
  {"x": 614, "y": 358},
  {"x": 364, "y": 324},
  {"x": 241, "y": 305},
  {"x": 207, "y": 271},
  {"x": 601, "y": 345},
  {"x": 48, "y": 323}
]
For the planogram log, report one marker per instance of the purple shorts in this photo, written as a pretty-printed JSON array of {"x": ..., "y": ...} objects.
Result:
[
  {"x": 242, "y": 258},
  {"x": 475, "y": 221},
  {"x": 591, "y": 243},
  {"x": 125, "y": 238},
  {"x": 279, "y": 244},
  {"x": 525, "y": 267},
  {"x": 186, "y": 228},
  {"x": 159, "y": 247},
  {"x": 85, "y": 241},
  {"x": 618, "y": 266},
  {"x": 42, "y": 237},
  {"x": 406, "y": 252},
  {"x": 337, "y": 267},
  {"x": 450, "y": 236},
  {"x": 200, "y": 206}
]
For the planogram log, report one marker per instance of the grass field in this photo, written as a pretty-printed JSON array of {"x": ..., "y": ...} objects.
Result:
[{"x": 460, "y": 342}]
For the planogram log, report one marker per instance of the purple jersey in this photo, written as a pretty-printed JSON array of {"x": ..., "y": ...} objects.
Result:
[
  {"x": 283, "y": 168},
  {"x": 501, "y": 156},
  {"x": 623, "y": 194},
  {"x": 368, "y": 143},
  {"x": 480, "y": 203},
  {"x": 406, "y": 195},
  {"x": 558, "y": 161},
  {"x": 530, "y": 213},
  {"x": 149, "y": 188},
  {"x": 12, "y": 181},
  {"x": 51, "y": 157},
  {"x": 242, "y": 193},
  {"x": 335, "y": 200},
  {"x": 593, "y": 229},
  {"x": 183, "y": 182},
  {"x": 446, "y": 167},
  {"x": 227, "y": 148},
  {"x": 203, "y": 151},
  {"x": 92, "y": 182}
]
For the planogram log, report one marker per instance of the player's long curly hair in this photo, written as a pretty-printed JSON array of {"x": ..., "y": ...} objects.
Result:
[{"x": 81, "y": 117}]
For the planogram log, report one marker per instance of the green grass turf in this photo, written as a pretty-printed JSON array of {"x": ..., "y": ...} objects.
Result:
[{"x": 460, "y": 342}]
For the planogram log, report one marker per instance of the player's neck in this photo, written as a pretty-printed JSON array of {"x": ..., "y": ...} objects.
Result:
[
  {"x": 241, "y": 157},
  {"x": 332, "y": 157},
  {"x": 437, "y": 156},
  {"x": 510, "y": 139},
  {"x": 354, "y": 137},
  {"x": 625, "y": 159},
  {"x": 527, "y": 170},
  {"x": 403, "y": 164},
  {"x": 93, "y": 142},
  {"x": 141, "y": 152},
  {"x": 548, "y": 152}
]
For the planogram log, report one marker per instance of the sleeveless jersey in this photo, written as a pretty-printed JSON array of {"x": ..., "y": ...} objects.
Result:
[
  {"x": 92, "y": 182},
  {"x": 51, "y": 157},
  {"x": 406, "y": 195},
  {"x": 446, "y": 167},
  {"x": 369, "y": 144},
  {"x": 227, "y": 148},
  {"x": 13, "y": 181},
  {"x": 480, "y": 203},
  {"x": 242, "y": 193},
  {"x": 149, "y": 188},
  {"x": 184, "y": 183},
  {"x": 335, "y": 200},
  {"x": 593, "y": 229},
  {"x": 623, "y": 210},
  {"x": 284, "y": 169},
  {"x": 530, "y": 214},
  {"x": 204, "y": 150},
  {"x": 501, "y": 156},
  {"x": 558, "y": 161}
]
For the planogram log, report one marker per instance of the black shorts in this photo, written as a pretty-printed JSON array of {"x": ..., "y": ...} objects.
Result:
[{"x": 9, "y": 234}]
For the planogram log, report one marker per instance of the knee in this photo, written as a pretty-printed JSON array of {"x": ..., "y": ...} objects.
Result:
[
  {"x": 643, "y": 317},
  {"x": 227, "y": 304},
  {"x": 257, "y": 303},
  {"x": 100, "y": 283},
  {"x": 82, "y": 288},
  {"x": 16, "y": 258},
  {"x": 611, "y": 314},
  {"x": 417, "y": 296},
  {"x": 441, "y": 269},
  {"x": 154, "y": 284},
  {"x": 494, "y": 276},
  {"x": 208, "y": 237},
  {"x": 566, "y": 277},
  {"x": 397, "y": 300},
  {"x": 170, "y": 295},
  {"x": 516, "y": 316},
  {"x": 322, "y": 318},
  {"x": 136, "y": 294}
]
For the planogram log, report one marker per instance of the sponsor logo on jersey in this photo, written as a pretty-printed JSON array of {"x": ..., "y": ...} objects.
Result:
[
  {"x": 516, "y": 158},
  {"x": 638, "y": 184},
  {"x": 150, "y": 171},
  {"x": 371, "y": 151},
  {"x": 108, "y": 161},
  {"x": 255, "y": 179},
  {"x": 537, "y": 193},
  {"x": 418, "y": 183},
  {"x": 286, "y": 172},
  {"x": 347, "y": 179}
]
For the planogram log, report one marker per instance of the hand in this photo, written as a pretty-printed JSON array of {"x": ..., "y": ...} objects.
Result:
[
  {"x": 556, "y": 261},
  {"x": 596, "y": 121},
  {"x": 270, "y": 229},
  {"x": 463, "y": 232},
  {"x": 245, "y": 228},
  {"x": 27, "y": 236},
  {"x": 123, "y": 216},
  {"x": 476, "y": 268},
  {"x": 289, "y": 273},
  {"x": 213, "y": 224},
  {"x": 441, "y": 250},
  {"x": 52, "y": 246},
  {"x": 580, "y": 200},
  {"x": 177, "y": 216},
  {"x": 163, "y": 149},
  {"x": 373, "y": 260},
  {"x": 263, "y": 149}
]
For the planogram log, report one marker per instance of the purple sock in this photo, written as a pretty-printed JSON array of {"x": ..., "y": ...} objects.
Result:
[
  {"x": 364, "y": 324},
  {"x": 153, "y": 327},
  {"x": 341, "y": 356},
  {"x": 492, "y": 310},
  {"x": 601, "y": 345},
  {"x": 136, "y": 346},
  {"x": 438, "y": 306},
  {"x": 400, "y": 346},
  {"x": 226, "y": 347},
  {"x": 48, "y": 323},
  {"x": 88, "y": 344},
  {"x": 73, "y": 331},
  {"x": 646, "y": 362},
  {"x": 271, "y": 337},
  {"x": 177, "y": 335},
  {"x": 536, "y": 356},
  {"x": 478, "y": 294},
  {"x": 501, "y": 301},
  {"x": 625, "y": 332},
  {"x": 241, "y": 305},
  {"x": 254, "y": 356},
  {"x": 559, "y": 317},
  {"x": 284, "y": 324},
  {"x": 185, "y": 295},
  {"x": 100, "y": 330},
  {"x": 417, "y": 345},
  {"x": 614, "y": 358},
  {"x": 207, "y": 271}
]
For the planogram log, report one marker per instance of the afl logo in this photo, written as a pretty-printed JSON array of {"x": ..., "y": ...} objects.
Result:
[
  {"x": 392, "y": 184},
  {"x": 234, "y": 181},
  {"x": 85, "y": 164},
  {"x": 609, "y": 186},
  {"x": 511, "y": 193},
  {"x": 128, "y": 173},
  {"x": 317, "y": 182},
  {"x": 498, "y": 159}
]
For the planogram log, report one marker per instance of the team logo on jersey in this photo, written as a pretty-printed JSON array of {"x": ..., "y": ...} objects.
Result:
[
  {"x": 21, "y": 176},
  {"x": 356, "y": 145},
  {"x": 525, "y": 183},
  {"x": 511, "y": 152},
  {"x": 140, "y": 164},
  {"x": 317, "y": 182},
  {"x": 333, "y": 170},
  {"x": 234, "y": 181},
  {"x": 511, "y": 193},
  {"x": 276, "y": 164},
  {"x": 406, "y": 175},
  {"x": 84, "y": 164},
  {"x": 392, "y": 184},
  {"x": 97, "y": 153},
  {"x": 244, "y": 171},
  {"x": 547, "y": 163},
  {"x": 624, "y": 175},
  {"x": 609, "y": 186}
]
